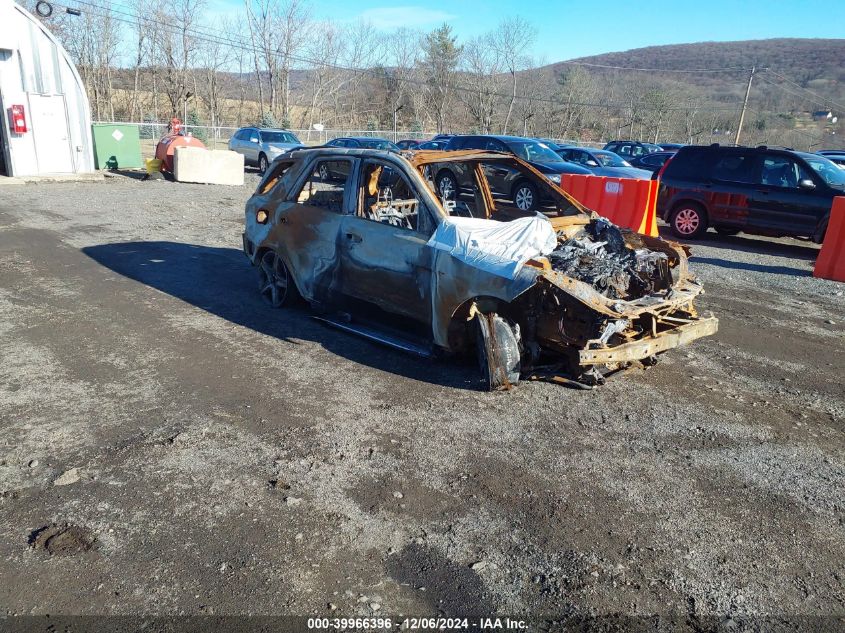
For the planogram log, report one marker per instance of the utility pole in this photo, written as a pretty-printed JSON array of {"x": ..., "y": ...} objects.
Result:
[
  {"x": 395, "y": 113},
  {"x": 744, "y": 106}
]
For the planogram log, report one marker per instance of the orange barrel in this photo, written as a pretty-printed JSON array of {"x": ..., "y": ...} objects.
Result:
[
  {"x": 830, "y": 263},
  {"x": 168, "y": 144}
]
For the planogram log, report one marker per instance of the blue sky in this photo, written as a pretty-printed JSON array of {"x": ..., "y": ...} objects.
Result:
[{"x": 568, "y": 29}]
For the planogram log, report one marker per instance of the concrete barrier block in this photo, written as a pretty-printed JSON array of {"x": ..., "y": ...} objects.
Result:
[{"x": 213, "y": 167}]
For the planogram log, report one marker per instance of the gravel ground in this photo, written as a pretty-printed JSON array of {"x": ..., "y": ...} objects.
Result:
[{"x": 171, "y": 445}]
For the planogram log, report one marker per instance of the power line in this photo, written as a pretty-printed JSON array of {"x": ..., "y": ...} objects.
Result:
[
  {"x": 789, "y": 81},
  {"x": 225, "y": 40},
  {"x": 217, "y": 37},
  {"x": 791, "y": 92}
]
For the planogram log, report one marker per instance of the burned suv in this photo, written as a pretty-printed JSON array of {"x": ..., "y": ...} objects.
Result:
[{"x": 565, "y": 294}]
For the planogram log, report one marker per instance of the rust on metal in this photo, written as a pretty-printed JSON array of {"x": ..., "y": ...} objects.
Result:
[{"x": 605, "y": 298}]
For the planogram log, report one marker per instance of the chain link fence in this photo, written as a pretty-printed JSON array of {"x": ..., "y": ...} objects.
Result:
[{"x": 217, "y": 137}]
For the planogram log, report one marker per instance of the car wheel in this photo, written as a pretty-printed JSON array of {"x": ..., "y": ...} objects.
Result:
[
  {"x": 275, "y": 282},
  {"x": 818, "y": 236},
  {"x": 323, "y": 172},
  {"x": 525, "y": 197},
  {"x": 498, "y": 352},
  {"x": 688, "y": 221},
  {"x": 263, "y": 163},
  {"x": 723, "y": 230},
  {"x": 447, "y": 186}
]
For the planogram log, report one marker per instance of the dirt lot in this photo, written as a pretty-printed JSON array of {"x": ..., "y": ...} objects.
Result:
[{"x": 171, "y": 445}]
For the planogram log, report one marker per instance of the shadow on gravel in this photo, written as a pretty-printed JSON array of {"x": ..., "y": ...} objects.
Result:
[
  {"x": 759, "y": 268},
  {"x": 749, "y": 244},
  {"x": 451, "y": 589},
  {"x": 222, "y": 281}
]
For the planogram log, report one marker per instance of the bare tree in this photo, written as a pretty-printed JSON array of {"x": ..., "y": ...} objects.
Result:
[
  {"x": 94, "y": 45},
  {"x": 482, "y": 66},
  {"x": 511, "y": 40},
  {"x": 575, "y": 88},
  {"x": 177, "y": 46},
  {"x": 260, "y": 18},
  {"x": 291, "y": 31}
]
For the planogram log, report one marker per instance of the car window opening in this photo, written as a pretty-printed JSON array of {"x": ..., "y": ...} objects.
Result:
[
  {"x": 326, "y": 185},
  {"x": 386, "y": 197},
  {"x": 275, "y": 176}
]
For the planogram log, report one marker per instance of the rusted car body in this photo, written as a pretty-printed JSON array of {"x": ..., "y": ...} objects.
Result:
[{"x": 360, "y": 243}]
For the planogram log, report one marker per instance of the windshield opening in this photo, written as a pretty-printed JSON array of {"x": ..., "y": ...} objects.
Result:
[{"x": 534, "y": 151}]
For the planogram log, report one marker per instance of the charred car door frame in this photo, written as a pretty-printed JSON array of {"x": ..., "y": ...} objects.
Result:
[
  {"x": 386, "y": 265},
  {"x": 306, "y": 235}
]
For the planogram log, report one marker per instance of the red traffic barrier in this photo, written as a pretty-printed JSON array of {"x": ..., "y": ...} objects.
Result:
[
  {"x": 627, "y": 202},
  {"x": 830, "y": 263}
]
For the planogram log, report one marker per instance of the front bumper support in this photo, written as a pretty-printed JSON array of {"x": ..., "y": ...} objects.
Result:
[{"x": 651, "y": 345}]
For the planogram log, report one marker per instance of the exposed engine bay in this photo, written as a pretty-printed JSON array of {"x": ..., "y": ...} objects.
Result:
[{"x": 599, "y": 256}]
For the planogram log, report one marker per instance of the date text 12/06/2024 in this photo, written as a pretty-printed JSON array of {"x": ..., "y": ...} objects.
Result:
[{"x": 416, "y": 624}]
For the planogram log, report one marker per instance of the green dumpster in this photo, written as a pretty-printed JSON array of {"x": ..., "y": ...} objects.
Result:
[{"x": 116, "y": 146}]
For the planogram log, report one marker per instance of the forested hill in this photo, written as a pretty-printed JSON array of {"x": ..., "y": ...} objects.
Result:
[
  {"x": 812, "y": 64},
  {"x": 801, "y": 60}
]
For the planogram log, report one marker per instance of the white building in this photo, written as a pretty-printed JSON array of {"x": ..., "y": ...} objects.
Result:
[{"x": 38, "y": 78}]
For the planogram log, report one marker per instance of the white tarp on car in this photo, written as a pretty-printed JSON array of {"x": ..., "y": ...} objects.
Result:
[{"x": 501, "y": 248}]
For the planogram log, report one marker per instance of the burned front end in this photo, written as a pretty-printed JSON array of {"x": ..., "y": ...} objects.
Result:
[{"x": 607, "y": 298}]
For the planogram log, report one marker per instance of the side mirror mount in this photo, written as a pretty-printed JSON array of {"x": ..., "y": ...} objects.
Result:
[
  {"x": 253, "y": 139},
  {"x": 807, "y": 184}
]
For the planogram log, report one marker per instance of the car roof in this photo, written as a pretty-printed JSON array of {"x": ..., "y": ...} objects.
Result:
[
  {"x": 265, "y": 129},
  {"x": 363, "y": 138},
  {"x": 500, "y": 137}
]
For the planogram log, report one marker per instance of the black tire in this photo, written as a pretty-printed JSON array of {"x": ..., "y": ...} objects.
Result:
[
  {"x": 498, "y": 352},
  {"x": 446, "y": 180},
  {"x": 818, "y": 236},
  {"x": 263, "y": 163},
  {"x": 724, "y": 230},
  {"x": 275, "y": 283},
  {"x": 525, "y": 196},
  {"x": 688, "y": 221}
]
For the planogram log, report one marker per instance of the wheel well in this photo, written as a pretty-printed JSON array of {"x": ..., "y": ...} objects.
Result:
[
  {"x": 821, "y": 229},
  {"x": 263, "y": 250},
  {"x": 442, "y": 172},
  {"x": 460, "y": 337},
  {"x": 689, "y": 202}
]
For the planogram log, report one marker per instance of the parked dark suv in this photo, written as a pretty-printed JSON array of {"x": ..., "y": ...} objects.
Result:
[
  {"x": 763, "y": 190},
  {"x": 631, "y": 149},
  {"x": 453, "y": 180}
]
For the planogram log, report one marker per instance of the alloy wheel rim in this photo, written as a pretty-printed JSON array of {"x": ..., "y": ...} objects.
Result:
[
  {"x": 687, "y": 221},
  {"x": 446, "y": 187},
  {"x": 273, "y": 279},
  {"x": 324, "y": 173},
  {"x": 524, "y": 198}
]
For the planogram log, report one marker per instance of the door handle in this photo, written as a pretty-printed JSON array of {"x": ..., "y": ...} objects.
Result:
[
  {"x": 764, "y": 191},
  {"x": 353, "y": 237}
]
